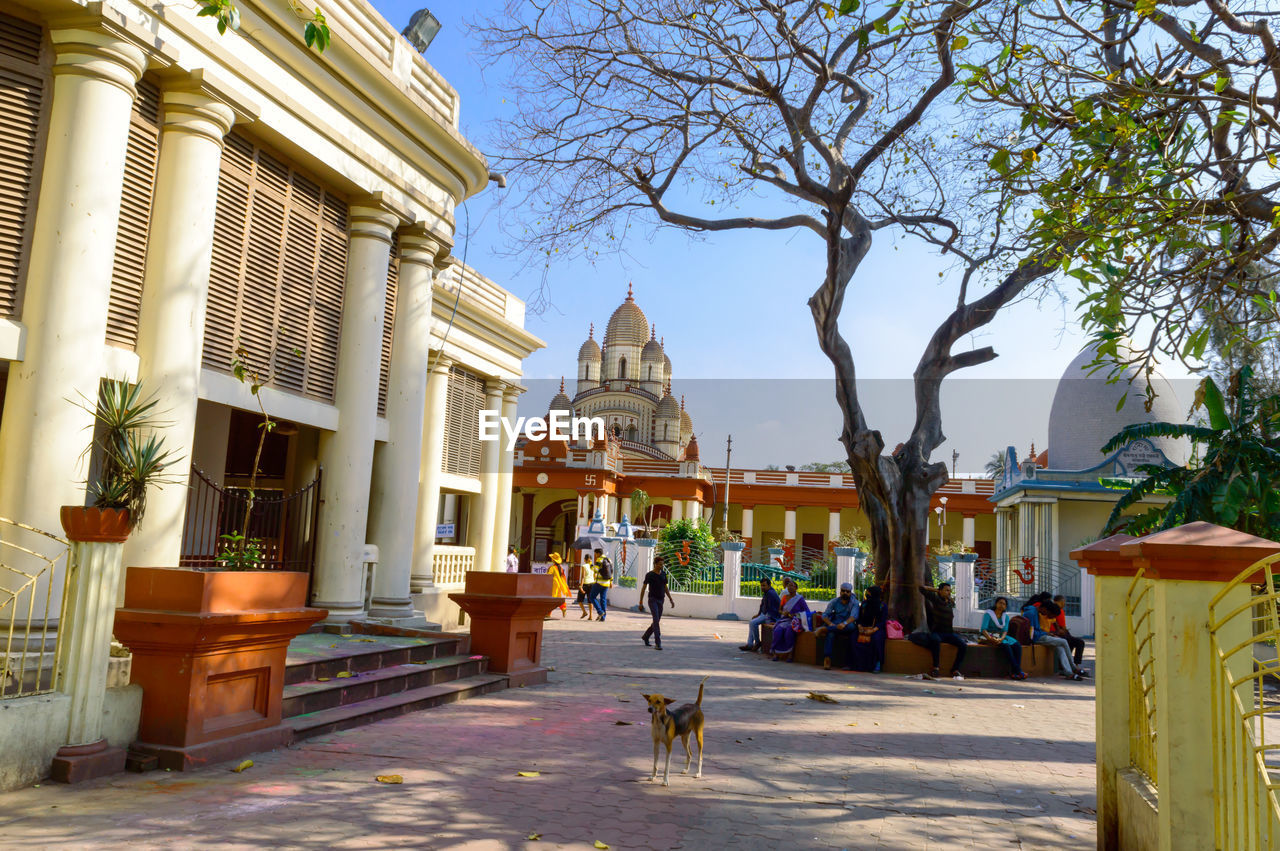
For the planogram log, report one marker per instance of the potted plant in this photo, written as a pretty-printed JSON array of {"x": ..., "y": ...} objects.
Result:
[{"x": 130, "y": 457}]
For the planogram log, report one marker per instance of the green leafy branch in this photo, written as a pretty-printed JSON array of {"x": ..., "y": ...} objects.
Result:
[{"x": 315, "y": 29}]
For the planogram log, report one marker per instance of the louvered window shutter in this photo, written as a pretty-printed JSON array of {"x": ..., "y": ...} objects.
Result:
[
  {"x": 464, "y": 400},
  {"x": 388, "y": 325},
  {"x": 279, "y": 262},
  {"x": 135, "y": 218},
  {"x": 24, "y": 81}
]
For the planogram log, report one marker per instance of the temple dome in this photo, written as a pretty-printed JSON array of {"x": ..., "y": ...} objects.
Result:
[
  {"x": 560, "y": 401},
  {"x": 691, "y": 451},
  {"x": 686, "y": 422},
  {"x": 1084, "y": 415},
  {"x": 590, "y": 349},
  {"x": 628, "y": 325},
  {"x": 668, "y": 408},
  {"x": 652, "y": 351}
]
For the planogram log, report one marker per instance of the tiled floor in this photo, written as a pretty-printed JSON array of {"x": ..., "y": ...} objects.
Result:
[{"x": 894, "y": 763}]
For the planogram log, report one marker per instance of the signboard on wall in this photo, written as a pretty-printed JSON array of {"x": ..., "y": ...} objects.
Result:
[{"x": 446, "y": 530}]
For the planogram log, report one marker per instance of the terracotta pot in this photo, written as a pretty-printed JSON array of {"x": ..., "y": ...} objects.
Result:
[{"x": 96, "y": 525}]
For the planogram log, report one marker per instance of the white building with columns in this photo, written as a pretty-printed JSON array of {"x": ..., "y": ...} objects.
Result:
[{"x": 170, "y": 194}]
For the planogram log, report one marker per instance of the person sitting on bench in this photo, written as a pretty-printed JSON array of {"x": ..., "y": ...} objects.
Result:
[
  {"x": 1060, "y": 630},
  {"x": 770, "y": 606},
  {"x": 840, "y": 623},
  {"x": 940, "y": 611}
]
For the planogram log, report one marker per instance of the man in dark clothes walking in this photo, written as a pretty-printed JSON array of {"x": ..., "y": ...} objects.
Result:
[
  {"x": 656, "y": 583},
  {"x": 940, "y": 611}
]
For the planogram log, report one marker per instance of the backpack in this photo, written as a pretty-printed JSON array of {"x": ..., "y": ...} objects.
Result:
[
  {"x": 1020, "y": 628},
  {"x": 604, "y": 570}
]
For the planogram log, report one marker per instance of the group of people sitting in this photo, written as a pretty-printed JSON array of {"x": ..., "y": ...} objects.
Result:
[
  {"x": 859, "y": 624},
  {"x": 862, "y": 627}
]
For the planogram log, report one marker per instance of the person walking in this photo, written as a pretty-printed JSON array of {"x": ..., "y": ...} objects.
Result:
[
  {"x": 604, "y": 581},
  {"x": 513, "y": 560},
  {"x": 559, "y": 585},
  {"x": 586, "y": 584},
  {"x": 656, "y": 583}
]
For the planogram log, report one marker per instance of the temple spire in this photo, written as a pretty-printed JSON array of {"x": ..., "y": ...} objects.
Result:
[
  {"x": 630, "y": 294},
  {"x": 562, "y": 384}
]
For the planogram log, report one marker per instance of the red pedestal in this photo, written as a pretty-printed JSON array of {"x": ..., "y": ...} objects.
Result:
[
  {"x": 78, "y": 763},
  {"x": 209, "y": 652},
  {"x": 507, "y": 611}
]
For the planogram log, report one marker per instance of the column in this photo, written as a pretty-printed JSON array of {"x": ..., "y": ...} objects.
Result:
[
  {"x": 677, "y": 510},
  {"x": 846, "y": 565},
  {"x": 393, "y": 502},
  {"x": 174, "y": 292},
  {"x": 483, "y": 518},
  {"x": 430, "y": 467},
  {"x": 68, "y": 278},
  {"x": 626, "y": 509},
  {"x": 644, "y": 563},
  {"x": 95, "y": 572},
  {"x": 789, "y": 534},
  {"x": 1113, "y": 672},
  {"x": 347, "y": 454},
  {"x": 833, "y": 527},
  {"x": 527, "y": 519},
  {"x": 967, "y": 530},
  {"x": 748, "y": 515},
  {"x": 506, "y": 468},
  {"x": 732, "y": 587}
]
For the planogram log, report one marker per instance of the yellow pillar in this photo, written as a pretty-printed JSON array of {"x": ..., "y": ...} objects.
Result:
[
  {"x": 429, "y": 470},
  {"x": 506, "y": 475},
  {"x": 172, "y": 317},
  {"x": 347, "y": 454},
  {"x": 393, "y": 502},
  {"x": 1188, "y": 567},
  {"x": 483, "y": 526},
  {"x": 68, "y": 284},
  {"x": 1113, "y": 671}
]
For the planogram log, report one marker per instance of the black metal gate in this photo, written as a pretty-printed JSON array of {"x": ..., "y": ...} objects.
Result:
[{"x": 284, "y": 523}]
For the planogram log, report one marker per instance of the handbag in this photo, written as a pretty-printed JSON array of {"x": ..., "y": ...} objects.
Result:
[
  {"x": 865, "y": 633},
  {"x": 893, "y": 629}
]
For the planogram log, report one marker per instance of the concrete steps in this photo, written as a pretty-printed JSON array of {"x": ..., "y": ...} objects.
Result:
[{"x": 338, "y": 681}]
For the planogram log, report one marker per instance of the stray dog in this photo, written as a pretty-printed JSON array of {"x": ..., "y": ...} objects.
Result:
[{"x": 680, "y": 721}]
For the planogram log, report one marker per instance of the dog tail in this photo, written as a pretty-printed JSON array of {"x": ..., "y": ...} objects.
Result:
[{"x": 698, "y": 702}]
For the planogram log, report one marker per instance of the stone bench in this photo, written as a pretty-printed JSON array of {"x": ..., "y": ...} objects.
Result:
[{"x": 903, "y": 657}]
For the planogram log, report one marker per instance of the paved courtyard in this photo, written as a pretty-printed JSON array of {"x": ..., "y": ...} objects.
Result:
[{"x": 894, "y": 763}]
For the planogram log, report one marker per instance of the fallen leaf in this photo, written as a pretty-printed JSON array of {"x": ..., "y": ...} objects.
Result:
[
  {"x": 343, "y": 674},
  {"x": 366, "y": 640},
  {"x": 528, "y": 774},
  {"x": 821, "y": 698},
  {"x": 534, "y": 836},
  {"x": 248, "y": 763},
  {"x": 623, "y": 700},
  {"x": 344, "y": 635},
  {"x": 717, "y": 635},
  {"x": 322, "y": 679},
  {"x": 389, "y": 778},
  {"x": 535, "y": 719},
  {"x": 622, "y": 723},
  {"x": 853, "y": 724},
  {"x": 600, "y": 844}
]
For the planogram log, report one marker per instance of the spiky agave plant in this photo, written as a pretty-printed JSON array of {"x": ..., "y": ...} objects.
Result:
[{"x": 132, "y": 452}]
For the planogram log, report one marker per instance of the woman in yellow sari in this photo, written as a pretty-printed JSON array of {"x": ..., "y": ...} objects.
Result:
[{"x": 559, "y": 585}]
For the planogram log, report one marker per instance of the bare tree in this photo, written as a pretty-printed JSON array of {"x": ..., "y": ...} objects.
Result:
[{"x": 714, "y": 115}]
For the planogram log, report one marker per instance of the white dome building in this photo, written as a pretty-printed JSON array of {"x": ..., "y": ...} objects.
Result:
[{"x": 1084, "y": 416}]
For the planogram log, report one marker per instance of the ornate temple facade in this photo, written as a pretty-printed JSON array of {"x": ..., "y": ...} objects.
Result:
[{"x": 650, "y": 445}]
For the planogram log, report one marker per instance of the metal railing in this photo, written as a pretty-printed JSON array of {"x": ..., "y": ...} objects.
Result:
[
  {"x": 1243, "y": 633},
  {"x": 29, "y": 635},
  {"x": 284, "y": 523},
  {"x": 1020, "y": 578},
  {"x": 1142, "y": 691},
  {"x": 449, "y": 565}
]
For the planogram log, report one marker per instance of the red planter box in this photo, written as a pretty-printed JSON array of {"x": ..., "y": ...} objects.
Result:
[
  {"x": 209, "y": 652},
  {"x": 507, "y": 611}
]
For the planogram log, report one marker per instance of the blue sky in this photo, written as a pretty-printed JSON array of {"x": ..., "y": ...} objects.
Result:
[{"x": 732, "y": 305}]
